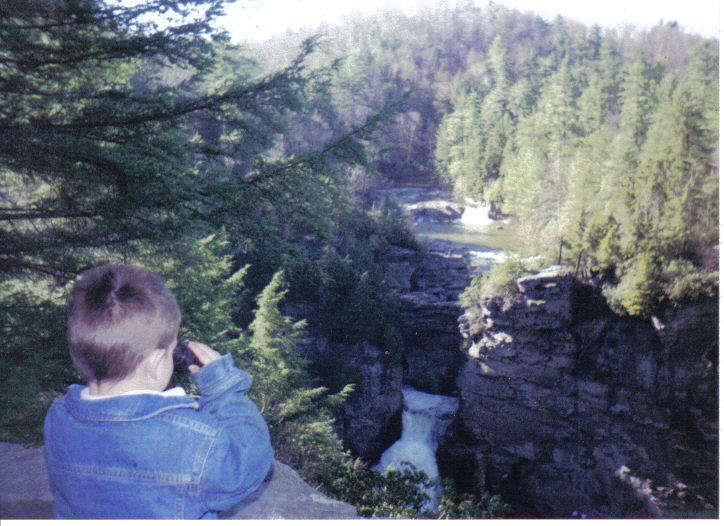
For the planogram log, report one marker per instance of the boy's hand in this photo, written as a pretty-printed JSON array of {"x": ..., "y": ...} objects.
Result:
[{"x": 204, "y": 353}]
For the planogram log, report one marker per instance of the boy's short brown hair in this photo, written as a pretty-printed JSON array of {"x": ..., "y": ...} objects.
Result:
[{"x": 118, "y": 313}]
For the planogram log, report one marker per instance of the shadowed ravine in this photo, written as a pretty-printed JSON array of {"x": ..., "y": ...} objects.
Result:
[{"x": 566, "y": 409}]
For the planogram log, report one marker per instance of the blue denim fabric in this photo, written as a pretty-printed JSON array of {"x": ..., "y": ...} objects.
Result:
[{"x": 148, "y": 456}]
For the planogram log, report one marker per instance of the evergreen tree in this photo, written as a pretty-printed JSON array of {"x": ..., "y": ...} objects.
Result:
[
  {"x": 636, "y": 102},
  {"x": 592, "y": 105},
  {"x": 298, "y": 414}
]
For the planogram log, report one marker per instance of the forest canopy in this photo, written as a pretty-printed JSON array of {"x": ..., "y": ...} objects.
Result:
[{"x": 600, "y": 145}]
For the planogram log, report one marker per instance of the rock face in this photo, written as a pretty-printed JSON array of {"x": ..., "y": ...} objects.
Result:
[
  {"x": 437, "y": 210},
  {"x": 566, "y": 407},
  {"x": 428, "y": 285},
  {"x": 25, "y": 492},
  {"x": 372, "y": 418}
]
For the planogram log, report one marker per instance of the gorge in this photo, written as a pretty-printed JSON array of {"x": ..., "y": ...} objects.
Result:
[
  {"x": 565, "y": 408},
  {"x": 271, "y": 185}
]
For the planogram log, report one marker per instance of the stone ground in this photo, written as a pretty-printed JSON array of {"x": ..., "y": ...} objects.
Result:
[{"x": 25, "y": 492}]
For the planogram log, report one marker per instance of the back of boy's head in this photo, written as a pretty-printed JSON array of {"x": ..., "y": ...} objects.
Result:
[{"x": 119, "y": 313}]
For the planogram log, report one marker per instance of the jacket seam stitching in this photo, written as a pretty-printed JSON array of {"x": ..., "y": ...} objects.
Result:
[{"x": 203, "y": 468}]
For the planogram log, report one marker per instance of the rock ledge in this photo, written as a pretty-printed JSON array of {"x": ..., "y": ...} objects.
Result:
[{"x": 25, "y": 492}]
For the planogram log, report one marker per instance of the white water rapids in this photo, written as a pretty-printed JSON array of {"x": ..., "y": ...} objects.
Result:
[
  {"x": 476, "y": 216},
  {"x": 424, "y": 419}
]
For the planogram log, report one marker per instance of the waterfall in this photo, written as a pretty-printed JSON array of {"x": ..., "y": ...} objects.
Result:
[
  {"x": 424, "y": 419},
  {"x": 476, "y": 215}
]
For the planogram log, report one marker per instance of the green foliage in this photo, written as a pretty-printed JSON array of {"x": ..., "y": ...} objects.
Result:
[
  {"x": 342, "y": 278},
  {"x": 393, "y": 228},
  {"x": 33, "y": 375},
  {"x": 638, "y": 289},
  {"x": 454, "y": 505},
  {"x": 401, "y": 495},
  {"x": 501, "y": 281},
  {"x": 687, "y": 285},
  {"x": 297, "y": 412},
  {"x": 606, "y": 158},
  {"x": 392, "y": 494},
  {"x": 199, "y": 273},
  {"x": 348, "y": 299}
]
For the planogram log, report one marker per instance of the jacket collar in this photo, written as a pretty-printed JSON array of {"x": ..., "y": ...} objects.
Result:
[{"x": 123, "y": 408}]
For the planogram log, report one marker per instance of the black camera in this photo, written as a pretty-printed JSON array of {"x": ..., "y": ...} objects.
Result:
[{"x": 183, "y": 357}]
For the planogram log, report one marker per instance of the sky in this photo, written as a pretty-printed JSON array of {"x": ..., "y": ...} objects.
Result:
[{"x": 257, "y": 20}]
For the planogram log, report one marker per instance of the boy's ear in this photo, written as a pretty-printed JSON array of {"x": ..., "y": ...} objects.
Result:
[{"x": 153, "y": 362}]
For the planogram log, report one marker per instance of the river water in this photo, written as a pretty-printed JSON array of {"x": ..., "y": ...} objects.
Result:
[{"x": 485, "y": 242}]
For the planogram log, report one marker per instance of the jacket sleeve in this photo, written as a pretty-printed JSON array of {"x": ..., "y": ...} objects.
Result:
[{"x": 241, "y": 453}]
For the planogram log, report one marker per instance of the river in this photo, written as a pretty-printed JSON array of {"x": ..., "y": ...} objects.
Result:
[{"x": 484, "y": 242}]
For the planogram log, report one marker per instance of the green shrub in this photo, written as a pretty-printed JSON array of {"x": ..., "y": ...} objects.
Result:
[
  {"x": 394, "y": 227},
  {"x": 639, "y": 288},
  {"x": 391, "y": 494},
  {"x": 454, "y": 505},
  {"x": 684, "y": 283},
  {"x": 500, "y": 281}
]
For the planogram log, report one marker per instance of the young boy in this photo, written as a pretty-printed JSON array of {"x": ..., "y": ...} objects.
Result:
[{"x": 123, "y": 447}]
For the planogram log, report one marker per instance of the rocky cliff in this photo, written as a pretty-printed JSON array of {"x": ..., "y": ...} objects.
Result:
[
  {"x": 371, "y": 419},
  {"x": 428, "y": 283},
  {"x": 567, "y": 409}
]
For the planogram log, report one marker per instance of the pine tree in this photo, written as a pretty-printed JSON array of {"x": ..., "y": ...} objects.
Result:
[
  {"x": 637, "y": 102},
  {"x": 298, "y": 414},
  {"x": 100, "y": 108},
  {"x": 496, "y": 117},
  {"x": 592, "y": 105}
]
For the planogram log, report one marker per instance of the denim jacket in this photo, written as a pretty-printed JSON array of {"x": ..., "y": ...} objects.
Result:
[{"x": 153, "y": 456}]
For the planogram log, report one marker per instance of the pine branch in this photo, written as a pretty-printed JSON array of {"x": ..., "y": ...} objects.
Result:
[{"x": 9, "y": 214}]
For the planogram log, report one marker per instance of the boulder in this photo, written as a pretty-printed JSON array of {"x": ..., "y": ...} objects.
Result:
[{"x": 436, "y": 210}]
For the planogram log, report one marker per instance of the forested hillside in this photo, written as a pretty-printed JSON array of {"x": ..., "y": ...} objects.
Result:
[{"x": 602, "y": 145}]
